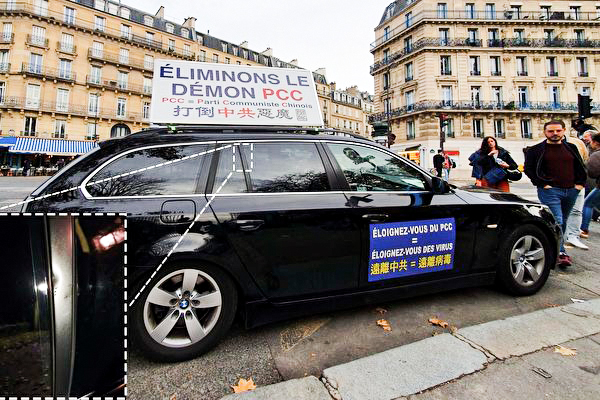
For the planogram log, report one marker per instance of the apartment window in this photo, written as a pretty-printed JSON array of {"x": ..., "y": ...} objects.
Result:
[
  {"x": 447, "y": 96},
  {"x": 185, "y": 33},
  {"x": 62, "y": 100},
  {"x": 97, "y": 49},
  {"x": 11, "y": 4},
  {"x": 38, "y": 35},
  {"x": 448, "y": 130},
  {"x": 2, "y": 91},
  {"x": 410, "y": 129},
  {"x": 202, "y": 56},
  {"x": 597, "y": 11},
  {"x": 554, "y": 95},
  {"x": 470, "y": 10},
  {"x": 30, "y": 126},
  {"x": 148, "y": 20},
  {"x": 100, "y": 23},
  {"x": 551, "y": 66},
  {"x": 93, "y": 103},
  {"x": 476, "y": 96},
  {"x": 496, "y": 66},
  {"x": 473, "y": 36},
  {"x": 171, "y": 45},
  {"x": 215, "y": 58},
  {"x": 122, "y": 80},
  {"x": 410, "y": 100},
  {"x": 170, "y": 28},
  {"x": 187, "y": 50},
  {"x": 64, "y": 70},
  {"x": 227, "y": 60},
  {"x": 408, "y": 19},
  {"x": 444, "y": 36},
  {"x": 408, "y": 69},
  {"x": 493, "y": 38},
  {"x": 41, "y": 7},
  {"x": 497, "y": 95},
  {"x": 546, "y": 11},
  {"x": 582, "y": 66},
  {"x": 515, "y": 11},
  {"x": 125, "y": 13},
  {"x": 95, "y": 75},
  {"x": 147, "y": 85},
  {"x": 519, "y": 35},
  {"x": 526, "y": 129},
  {"x": 490, "y": 11},
  {"x": 575, "y": 12},
  {"x": 549, "y": 36},
  {"x": 35, "y": 63},
  {"x": 408, "y": 44},
  {"x": 580, "y": 35},
  {"x": 69, "y": 16},
  {"x": 113, "y": 8},
  {"x": 99, "y": 5},
  {"x": 91, "y": 130},
  {"x": 446, "y": 68},
  {"x": 146, "y": 110},
  {"x": 386, "y": 33},
  {"x": 124, "y": 56},
  {"x": 121, "y": 107},
  {"x": 66, "y": 43},
  {"x": 523, "y": 93},
  {"x": 7, "y": 32},
  {"x": 386, "y": 81},
  {"x": 125, "y": 31},
  {"x": 387, "y": 106},
  {"x": 474, "y": 65},
  {"x": 148, "y": 62},
  {"x": 4, "y": 60},
  {"x": 478, "y": 128},
  {"x": 150, "y": 38},
  {"x": 499, "y": 131},
  {"x": 33, "y": 96},
  {"x": 522, "y": 66},
  {"x": 60, "y": 129},
  {"x": 442, "y": 10}
]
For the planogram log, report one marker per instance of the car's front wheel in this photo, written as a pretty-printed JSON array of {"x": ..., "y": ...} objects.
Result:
[
  {"x": 525, "y": 261},
  {"x": 183, "y": 312}
]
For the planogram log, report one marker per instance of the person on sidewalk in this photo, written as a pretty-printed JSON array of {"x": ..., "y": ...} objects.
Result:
[
  {"x": 447, "y": 166},
  {"x": 592, "y": 200},
  {"x": 438, "y": 162},
  {"x": 575, "y": 217},
  {"x": 557, "y": 170},
  {"x": 493, "y": 162}
]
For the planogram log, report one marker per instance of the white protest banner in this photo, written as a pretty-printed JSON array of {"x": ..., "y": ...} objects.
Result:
[{"x": 198, "y": 93}]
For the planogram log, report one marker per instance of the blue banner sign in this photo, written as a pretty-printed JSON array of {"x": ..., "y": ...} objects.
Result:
[{"x": 411, "y": 248}]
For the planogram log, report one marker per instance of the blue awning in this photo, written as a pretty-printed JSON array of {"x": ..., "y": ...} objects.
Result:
[
  {"x": 7, "y": 141},
  {"x": 56, "y": 147}
]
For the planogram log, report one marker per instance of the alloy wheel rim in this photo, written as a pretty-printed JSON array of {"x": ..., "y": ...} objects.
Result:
[
  {"x": 527, "y": 260},
  {"x": 182, "y": 308}
]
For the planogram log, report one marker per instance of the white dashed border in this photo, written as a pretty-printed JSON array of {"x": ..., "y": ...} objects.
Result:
[{"x": 125, "y": 347}]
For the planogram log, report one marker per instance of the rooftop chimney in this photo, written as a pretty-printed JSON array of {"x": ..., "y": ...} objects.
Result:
[
  {"x": 322, "y": 71},
  {"x": 268, "y": 52},
  {"x": 190, "y": 23},
  {"x": 294, "y": 62},
  {"x": 244, "y": 44},
  {"x": 160, "y": 13}
]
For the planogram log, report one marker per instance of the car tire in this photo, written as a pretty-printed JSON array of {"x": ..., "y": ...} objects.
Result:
[
  {"x": 183, "y": 312},
  {"x": 524, "y": 262}
]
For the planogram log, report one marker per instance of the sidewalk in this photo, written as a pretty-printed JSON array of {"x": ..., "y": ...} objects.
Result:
[{"x": 512, "y": 358}]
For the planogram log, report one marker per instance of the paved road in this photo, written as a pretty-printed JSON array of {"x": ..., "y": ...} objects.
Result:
[{"x": 15, "y": 189}]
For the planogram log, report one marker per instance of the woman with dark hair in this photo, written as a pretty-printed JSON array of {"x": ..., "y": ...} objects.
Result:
[{"x": 489, "y": 162}]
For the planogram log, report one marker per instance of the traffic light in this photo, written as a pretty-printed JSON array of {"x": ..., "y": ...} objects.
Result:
[
  {"x": 443, "y": 120},
  {"x": 584, "y": 105}
]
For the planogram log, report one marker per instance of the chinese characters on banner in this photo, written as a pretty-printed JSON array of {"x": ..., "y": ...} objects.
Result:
[
  {"x": 187, "y": 93},
  {"x": 411, "y": 248}
]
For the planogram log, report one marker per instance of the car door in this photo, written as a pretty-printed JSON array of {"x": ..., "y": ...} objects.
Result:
[
  {"x": 409, "y": 234},
  {"x": 285, "y": 219}
]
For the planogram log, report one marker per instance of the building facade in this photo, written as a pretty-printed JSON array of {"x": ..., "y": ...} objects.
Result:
[{"x": 494, "y": 68}]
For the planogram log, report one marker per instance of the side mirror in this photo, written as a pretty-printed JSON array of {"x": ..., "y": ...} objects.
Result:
[{"x": 439, "y": 185}]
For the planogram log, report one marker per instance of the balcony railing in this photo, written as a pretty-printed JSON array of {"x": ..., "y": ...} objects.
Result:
[
  {"x": 38, "y": 41},
  {"x": 558, "y": 16},
  {"x": 117, "y": 59},
  {"x": 68, "y": 48},
  {"x": 125, "y": 87},
  {"x": 481, "y": 105},
  {"x": 45, "y": 72},
  {"x": 540, "y": 43},
  {"x": 7, "y": 37},
  {"x": 4, "y": 67}
]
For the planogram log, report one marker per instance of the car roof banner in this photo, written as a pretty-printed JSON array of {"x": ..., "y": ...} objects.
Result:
[{"x": 199, "y": 93}]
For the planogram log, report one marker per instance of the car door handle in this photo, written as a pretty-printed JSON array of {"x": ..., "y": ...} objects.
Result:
[
  {"x": 249, "y": 224},
  {"x": 375, "y": 217}
]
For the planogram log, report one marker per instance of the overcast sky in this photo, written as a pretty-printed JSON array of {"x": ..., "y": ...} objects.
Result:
[{"x": 334, "y": 34}]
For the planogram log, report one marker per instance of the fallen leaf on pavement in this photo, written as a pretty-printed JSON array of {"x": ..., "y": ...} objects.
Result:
[
  {"x": 552, "y": 305},
  {"x": 565, "y": 351},
  {"x": 381, "y": 310},
  {"x": 385, "y": 325},
  {"x": 453, "y": 329},
  {"x": 577, "y": 300},
  {"x": 438, "y": 322},
  {"x": 243, "y": 386}
]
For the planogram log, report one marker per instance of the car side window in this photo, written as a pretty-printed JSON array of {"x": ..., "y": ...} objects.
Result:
[
  {"x": 229, "y": 163},
  {"x": 168, "y": 170},
  {"x": 285, "y": 167},
  {"x": 368, "y": 169}
]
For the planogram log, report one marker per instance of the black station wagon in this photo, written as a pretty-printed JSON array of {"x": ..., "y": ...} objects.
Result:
[{"x": 269, "y": 223}]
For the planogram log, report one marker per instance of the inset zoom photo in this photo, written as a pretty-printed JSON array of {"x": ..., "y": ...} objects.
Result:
[{"x": 62, "y": 315}]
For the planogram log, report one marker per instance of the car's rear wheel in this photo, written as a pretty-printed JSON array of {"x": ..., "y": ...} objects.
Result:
[
  {"x": 525, "y": 261},
  {"x": 183, "y": 312}
]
